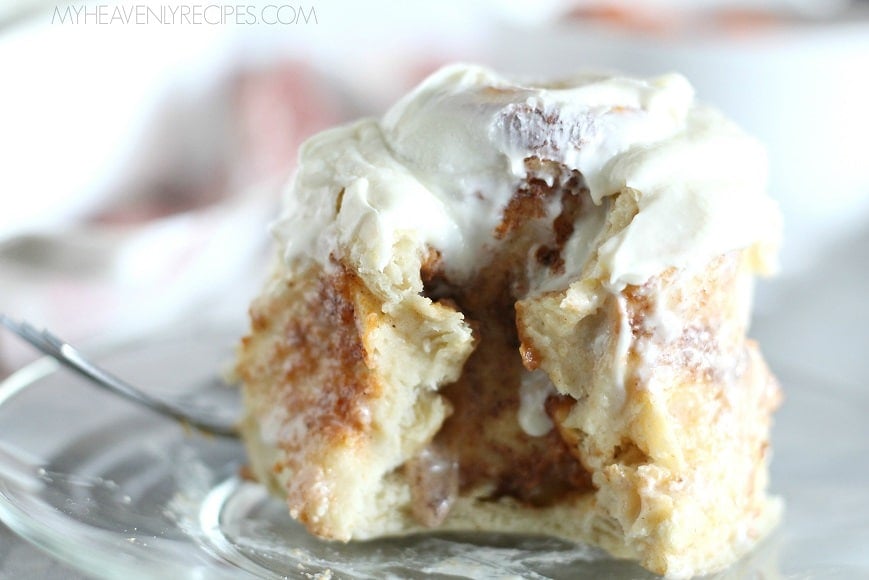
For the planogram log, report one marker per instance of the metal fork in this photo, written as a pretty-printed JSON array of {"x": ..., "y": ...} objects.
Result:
[{"x": 199, "y": 418}]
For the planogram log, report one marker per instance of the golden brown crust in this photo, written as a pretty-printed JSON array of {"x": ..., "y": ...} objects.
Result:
[
  {"x": 334, "y": 407},
  {"x": 305, "y": 357}
]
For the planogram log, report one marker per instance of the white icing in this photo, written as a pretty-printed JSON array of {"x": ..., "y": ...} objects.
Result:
[
  {"x": 534, "y": 388},
  {"x": 624, "y": 338},
  {"x": 441, "y": 165}
]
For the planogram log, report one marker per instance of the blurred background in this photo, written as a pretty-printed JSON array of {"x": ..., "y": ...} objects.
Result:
[{"x": 144, "y": 144}]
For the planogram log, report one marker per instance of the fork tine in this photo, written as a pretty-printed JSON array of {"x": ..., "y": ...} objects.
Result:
[
  {"x": 27, "y": 332},
  {"x": 49, "y": 338},
  {"x": 66, "y": 354},
  {"x": 61, "y": 351},
  {"x": 62, "y": 348},
  {"x": 37, "y": 336}
]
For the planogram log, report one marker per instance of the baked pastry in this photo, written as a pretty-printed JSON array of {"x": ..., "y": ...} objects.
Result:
[{"x": 522, "y": 307}]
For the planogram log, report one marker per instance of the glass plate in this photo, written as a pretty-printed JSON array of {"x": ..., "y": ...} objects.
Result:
[{"x": 118, "y": 492}]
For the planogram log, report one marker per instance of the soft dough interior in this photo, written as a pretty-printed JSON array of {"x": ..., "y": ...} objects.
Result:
[{"x": 385, "y": 403}]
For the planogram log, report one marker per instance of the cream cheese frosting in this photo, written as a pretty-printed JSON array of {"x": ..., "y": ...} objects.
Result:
[{"x": 440, "y": 167}]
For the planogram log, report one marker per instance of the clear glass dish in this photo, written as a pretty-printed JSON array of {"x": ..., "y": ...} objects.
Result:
[{"x": 118, "y": 492}]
